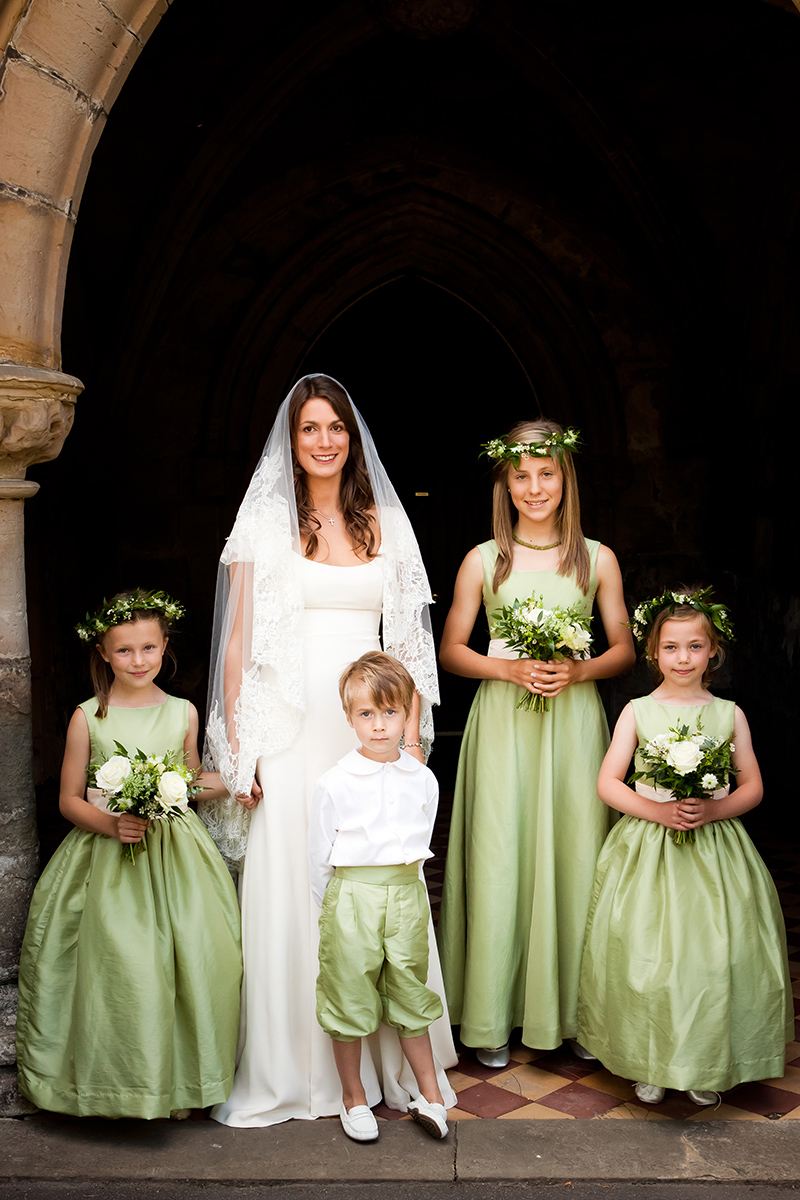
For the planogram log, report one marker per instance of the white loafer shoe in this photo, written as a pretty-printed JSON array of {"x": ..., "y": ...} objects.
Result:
[
  {"x": 703, "y": 1098},
  {"x": 432, "y": 1117},
  {"x": 648, "y": 1093},
  {"x": 359, "y": 1123},
  {"x": 500, "y": 1057}
]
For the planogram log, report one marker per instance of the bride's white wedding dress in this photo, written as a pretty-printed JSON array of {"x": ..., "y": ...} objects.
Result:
[{"x": 285, "y": 1064}]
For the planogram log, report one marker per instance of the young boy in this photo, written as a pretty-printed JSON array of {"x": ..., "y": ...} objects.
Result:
[{"x": 371, "y": 824}]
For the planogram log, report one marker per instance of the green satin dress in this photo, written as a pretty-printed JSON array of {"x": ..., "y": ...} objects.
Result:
[
  {"x": 685, "y": 979},
  {"x": 130, "y": 973},
  {"x": 526, "y": 831}
]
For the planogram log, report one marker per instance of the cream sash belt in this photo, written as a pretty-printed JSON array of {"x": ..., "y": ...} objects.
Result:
[
  {"x": 98, "y": 800},
  {"x": 663, "y": 796},
  {"x": 499, "y": 649}
]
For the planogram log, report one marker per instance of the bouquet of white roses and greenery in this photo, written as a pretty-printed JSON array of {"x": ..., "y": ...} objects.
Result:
[
  {"x": 687, "y": 765},
  {"x": 158, "y": 787},
  {"x": 542, "y": 633}
]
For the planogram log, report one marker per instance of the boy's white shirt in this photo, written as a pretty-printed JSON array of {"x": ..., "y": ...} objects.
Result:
[{"x": 370, "y": 814}]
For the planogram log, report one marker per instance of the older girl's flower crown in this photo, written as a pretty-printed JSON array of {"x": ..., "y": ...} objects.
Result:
[
  {"x": 552, "y": 446},
  {"x": 645, "y": 613},
  {"x": 122, "y": 608}
]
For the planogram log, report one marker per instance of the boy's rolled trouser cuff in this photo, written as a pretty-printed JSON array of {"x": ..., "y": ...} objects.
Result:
[{"x": 373, "y": 953}]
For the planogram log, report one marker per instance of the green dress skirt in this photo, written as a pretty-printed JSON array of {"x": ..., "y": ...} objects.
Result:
[
  {"x": 526, "y": 830},
  {"x": 685, "y": 979},
  {"x": 130, "y": 973}
]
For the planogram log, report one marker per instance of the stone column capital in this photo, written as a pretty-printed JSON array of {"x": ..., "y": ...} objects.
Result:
[{"x": 37, "y": 407}]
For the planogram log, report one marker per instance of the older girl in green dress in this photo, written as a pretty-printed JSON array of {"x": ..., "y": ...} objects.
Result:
[
  {"x": 130, "y": 970},
  {"x": 527, "y": 824},
  {"x": 685, "y": 979}
]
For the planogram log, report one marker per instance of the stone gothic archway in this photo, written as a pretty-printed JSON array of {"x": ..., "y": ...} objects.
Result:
[
  {"x": 611, "y": 280},
  {"x": 61, "y": 70}
]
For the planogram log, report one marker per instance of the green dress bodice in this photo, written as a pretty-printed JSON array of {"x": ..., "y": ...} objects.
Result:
[
  {"x": 158, "y": 729},
  {"x": 653, "y": 718}
]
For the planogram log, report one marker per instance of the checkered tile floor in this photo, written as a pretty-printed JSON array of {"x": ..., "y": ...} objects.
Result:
[{"x": 555, "y": 1085}]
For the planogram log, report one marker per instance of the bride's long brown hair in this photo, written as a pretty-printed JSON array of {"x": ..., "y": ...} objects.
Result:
[{"x": 355, "y": 489}]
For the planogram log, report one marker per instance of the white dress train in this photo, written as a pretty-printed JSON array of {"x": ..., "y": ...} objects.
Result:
[{"x": 285, "y": 1065}]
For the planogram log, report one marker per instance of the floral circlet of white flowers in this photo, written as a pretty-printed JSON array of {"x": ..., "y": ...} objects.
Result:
[
  {"x": 645, "y": 613},
  {"x": 122, "y": 608},
  {"x": 552, "y": 446}
]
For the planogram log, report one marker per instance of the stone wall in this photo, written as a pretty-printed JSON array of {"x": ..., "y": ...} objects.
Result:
[{"x": 61, "y": 70}]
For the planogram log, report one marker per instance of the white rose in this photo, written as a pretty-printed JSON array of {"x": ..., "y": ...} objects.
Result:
[
  {"x": 659, "y": 744},
  {"x": 709, "y": 782},
  {"x": 576, "y": 638},
  {"x": 113, "y": 773},
  {"x": 684, "y": 757},
  {"x": 172, "y": 790}
]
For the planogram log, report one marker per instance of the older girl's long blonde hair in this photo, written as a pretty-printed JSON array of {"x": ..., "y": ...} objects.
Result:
[{"x": 573, "y": 554}]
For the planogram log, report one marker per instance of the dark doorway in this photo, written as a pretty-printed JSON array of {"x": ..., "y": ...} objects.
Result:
[{"x": 433, "y": 379}]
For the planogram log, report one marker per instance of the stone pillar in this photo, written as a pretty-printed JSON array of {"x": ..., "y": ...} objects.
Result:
[{"x": 36, "y": 412}]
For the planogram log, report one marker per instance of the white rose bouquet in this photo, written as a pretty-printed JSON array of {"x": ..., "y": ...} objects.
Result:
[
  {"x": 687, "y": 765},
  {"x": 542, "y": 633},
  {"x": 158, "y": 787}
]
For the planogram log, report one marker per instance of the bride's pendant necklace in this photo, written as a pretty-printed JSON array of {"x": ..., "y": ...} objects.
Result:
[
  {"x": 330, "y": 520},
  {"x": 530, "y": 545}
]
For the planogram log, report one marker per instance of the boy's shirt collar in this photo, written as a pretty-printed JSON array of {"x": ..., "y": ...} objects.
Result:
[{"x": 358, "y": 764}]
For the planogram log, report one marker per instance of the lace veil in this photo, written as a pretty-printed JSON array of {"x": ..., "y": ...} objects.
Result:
[{"x": 256, "y": 687}]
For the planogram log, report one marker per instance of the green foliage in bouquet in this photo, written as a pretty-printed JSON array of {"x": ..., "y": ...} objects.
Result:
[
  {"x": 545, "y": 634},
  {"x": 157, "y": 787},
  {"x": 687, "y": 765}
]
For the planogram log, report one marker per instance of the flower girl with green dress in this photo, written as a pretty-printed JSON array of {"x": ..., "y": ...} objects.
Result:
[
  {"x": 685, "y": 978},
  {"x": 131, "y": 964},
  {"x": 527, "y": 825}
]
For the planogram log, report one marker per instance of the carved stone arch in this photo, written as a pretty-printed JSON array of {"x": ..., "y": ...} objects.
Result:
[
  {"x": 400, "y": 208},
  {"x": 62, "y": 69},
  {"x": 510, "y": 31},
  {"x": 509, "y": 281}
]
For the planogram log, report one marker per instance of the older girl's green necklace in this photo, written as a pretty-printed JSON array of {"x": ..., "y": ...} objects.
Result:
[{"x": 530, "y": 545}]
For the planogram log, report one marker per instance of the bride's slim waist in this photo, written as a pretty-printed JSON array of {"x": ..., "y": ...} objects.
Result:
[{"x": 339, "y": 622}]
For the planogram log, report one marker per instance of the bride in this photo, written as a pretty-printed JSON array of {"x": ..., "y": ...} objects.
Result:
[{"x": 321, "y": 553}]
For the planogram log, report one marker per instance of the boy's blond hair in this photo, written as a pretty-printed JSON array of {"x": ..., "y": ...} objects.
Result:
[{"x": 386, "y": 680}]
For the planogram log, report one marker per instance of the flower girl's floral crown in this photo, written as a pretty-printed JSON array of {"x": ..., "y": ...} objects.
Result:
[
  {"x": 122, "y": 608},
  {"x": 552, "y": 446},
  {"x": 645, "y": 613}
]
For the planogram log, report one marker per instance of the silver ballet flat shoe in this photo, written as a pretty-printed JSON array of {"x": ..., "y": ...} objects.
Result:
[
  {"x": 648, "y": 1093},
  {"x": 500, "y": 1057},
  {"x": 703, "y": 1098},
  {"x": 581, "y": 1052}
]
